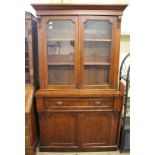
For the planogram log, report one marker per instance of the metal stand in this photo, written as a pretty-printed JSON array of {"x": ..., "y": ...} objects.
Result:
[{"x": 125, "y": 129}]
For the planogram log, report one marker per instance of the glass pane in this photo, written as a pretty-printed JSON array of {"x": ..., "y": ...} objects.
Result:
[
  {"x": 60, "y": 45},
  {"x": 97, "y": 52},
  {"x": 27, "y": 76},
  {"x": 96, "y": 75},
  {"x": 97, "y": 29}
]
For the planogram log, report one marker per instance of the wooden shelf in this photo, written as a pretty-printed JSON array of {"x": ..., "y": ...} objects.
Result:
[
  {"x": 60, "y": 39},
  {"x": 97, "y": 63},
  {"x": 99, "y": 40},
  {"x": 60, "y": 64},
  {"x": 86, "y": 63}
]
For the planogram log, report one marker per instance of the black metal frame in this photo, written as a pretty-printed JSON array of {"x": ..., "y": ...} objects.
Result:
[{"x": 125, "y": 75}]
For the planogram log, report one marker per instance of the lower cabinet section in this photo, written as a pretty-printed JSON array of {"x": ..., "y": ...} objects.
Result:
[{"x": 77, "y": 130}]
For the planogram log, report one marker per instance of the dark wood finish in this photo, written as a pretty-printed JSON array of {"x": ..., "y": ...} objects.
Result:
[
  {"x": 31, "y": 50},
  {"x": 111, "y": 20},
  {"x": 78, "y": 93},
  {"x": 90, "y": 123},
  {"x": 31, "y": 83},
  {"x": 79, "y": 104},
  {"x": 48, "y": 6},
  {"x": 30, "y": 122},
  {"x": 96, "y": 129},
  {"x": 58, "y": 129},
  {"x": 84, "y": 116},
  {"x": 111, "y": 81},
  {"x": 45, "y": 68}
]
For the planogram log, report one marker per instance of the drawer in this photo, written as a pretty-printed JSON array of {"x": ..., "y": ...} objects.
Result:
[{"x": 75, "y": 104}]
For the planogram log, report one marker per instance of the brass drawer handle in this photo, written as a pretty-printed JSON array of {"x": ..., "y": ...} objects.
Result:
[
  {"x": 59, "y": 103},
  {"x": 98, "y": 102}
]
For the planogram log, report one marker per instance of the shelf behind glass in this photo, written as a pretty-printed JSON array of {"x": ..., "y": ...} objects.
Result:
[
  {"x": 97, "y": 63},
  {"x": 97, "y": 40},
  {"x": 96, "y": 75},
  {"x": 61, "y": 75},
  {"x": 61, "y": 64}
]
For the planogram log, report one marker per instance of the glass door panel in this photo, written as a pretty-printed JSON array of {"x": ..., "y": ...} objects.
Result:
[
  {"x": 97, "y": 51},
  {"x": 60, "y": 36}
]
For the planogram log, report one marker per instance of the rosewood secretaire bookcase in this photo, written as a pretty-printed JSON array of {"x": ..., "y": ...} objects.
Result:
[{"x": 78, "y": 103}]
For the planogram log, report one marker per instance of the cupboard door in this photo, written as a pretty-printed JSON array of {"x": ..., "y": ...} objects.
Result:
[
  {"x": 98, "y": 129},
  {"x": 97, "y": 50},
  {"x": 61, "y": 46},
  {"x": 58, "y": 129}
]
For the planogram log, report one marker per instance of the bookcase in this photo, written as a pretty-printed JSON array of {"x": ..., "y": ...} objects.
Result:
[
  {"x": 31, "y": 83},
  {"x": 79, "y": 103}
]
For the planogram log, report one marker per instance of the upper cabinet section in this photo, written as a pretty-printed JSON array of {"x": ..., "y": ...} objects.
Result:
[{"x": 79, "y": 45}]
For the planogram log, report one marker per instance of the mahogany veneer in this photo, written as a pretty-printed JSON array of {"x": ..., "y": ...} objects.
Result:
[{"x": 78, "y": 103}]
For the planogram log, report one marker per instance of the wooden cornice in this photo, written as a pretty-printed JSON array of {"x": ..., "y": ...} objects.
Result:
[{"x": 52, "y": 6}]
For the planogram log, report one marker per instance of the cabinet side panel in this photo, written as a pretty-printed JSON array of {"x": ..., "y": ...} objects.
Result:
[{"x": 40, "y": 52}]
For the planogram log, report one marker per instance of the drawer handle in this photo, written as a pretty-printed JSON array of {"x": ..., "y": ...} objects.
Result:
[
  {"x": 59, "y": 103},
  {"x": 97, "y": 102}
]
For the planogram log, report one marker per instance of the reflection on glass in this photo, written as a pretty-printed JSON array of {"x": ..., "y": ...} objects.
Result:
[
  {"x": 97, "y": 51},
  {"x": 60, "y": 45},
  {"x": 97, "y": 29}
]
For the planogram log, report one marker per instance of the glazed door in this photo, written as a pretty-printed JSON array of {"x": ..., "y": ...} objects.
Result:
[
  {"x": 98, "y": 129},
  {"x": 58, "y": 130},
  {"x": 60, "y": 51},
  {"x": 97, "y": 50}
]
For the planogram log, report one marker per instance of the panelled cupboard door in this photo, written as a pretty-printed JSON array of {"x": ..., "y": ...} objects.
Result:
[
  {"x": 58, "y": 129},
  {"x": 60, "y": 48},
  {"x": 98, "y": 129},
  {"x": 98, "y": 49}
]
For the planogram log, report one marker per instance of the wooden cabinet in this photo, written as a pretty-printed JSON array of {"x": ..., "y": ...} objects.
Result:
[
  {"x": 30, "y": 122},
  {"x": 31, "y": 83},
  {"x": 78, "y": 103},
  {"x": 31, "y": 50}
]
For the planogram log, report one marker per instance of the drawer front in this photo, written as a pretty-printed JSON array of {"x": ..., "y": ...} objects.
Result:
[{"x": 77, "y": 104}]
